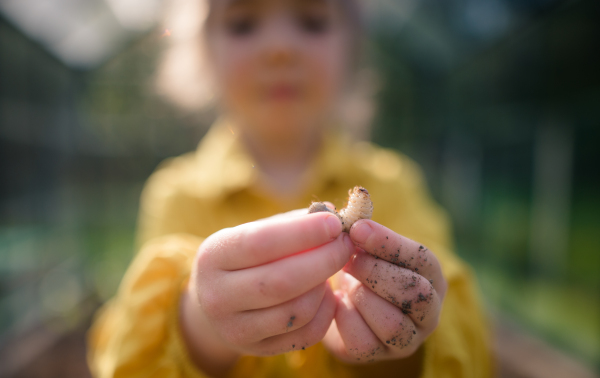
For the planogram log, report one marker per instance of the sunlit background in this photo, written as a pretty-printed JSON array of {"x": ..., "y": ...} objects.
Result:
[{"x": 498, "y": 100}]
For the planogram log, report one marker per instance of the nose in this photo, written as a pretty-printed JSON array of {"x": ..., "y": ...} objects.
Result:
[{"x": 280, "y": 45}]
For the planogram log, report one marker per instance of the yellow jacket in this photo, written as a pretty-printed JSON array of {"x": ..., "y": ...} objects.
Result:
[{"x": 190, "y": 197}]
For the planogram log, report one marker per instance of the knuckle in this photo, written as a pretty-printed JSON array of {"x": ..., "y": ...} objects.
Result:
[
  {"x": 428, "y": 319},
  {"x": 313, "y": 333},
  {"x": 205, "y": 250},
  {"x": 392, "y": 323},
  {"x": 203, "y": 258},
  {"x": 406, "y": 351},
  {"x": 399, "y": 338},
  {"x": 403, "y": 340},
  {"x": 275, "y": 286},
  {"x": 397, "y": 329},
  {"x": 212, "y": 247},
  {"x": 304, "y": 310},
  {"x": 424, "y": 291},
  {"x": 423, "y": 302},
  {"x": 363, "y": 351},
  {"x": 211, "y": 303},
  {"x": 357, "y": 347},
  {"x": 410, "y": 349},
  {"x": 354, "y": 350},
  {"x": 234, "y": 335}
]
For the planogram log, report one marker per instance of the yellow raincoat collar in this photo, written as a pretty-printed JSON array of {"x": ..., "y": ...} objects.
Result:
[{"x": 225, "y": 166}]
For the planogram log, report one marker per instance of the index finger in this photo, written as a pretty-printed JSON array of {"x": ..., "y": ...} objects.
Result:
[
  {"x": 288, "y": 214},
  {"x": 260, "y": 242},
  {"x": 385, "y": 244}
]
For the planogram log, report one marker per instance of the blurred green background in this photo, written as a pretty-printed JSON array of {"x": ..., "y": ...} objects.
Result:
[{"x": 498, "y": 100}]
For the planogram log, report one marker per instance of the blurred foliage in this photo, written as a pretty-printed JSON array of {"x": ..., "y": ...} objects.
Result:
[{"x": 473, "y": 115}]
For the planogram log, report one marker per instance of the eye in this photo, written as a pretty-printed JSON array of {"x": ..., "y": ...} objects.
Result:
[
  {"x": 314, "y": 24},
  {"x": 242, "y": 26}
]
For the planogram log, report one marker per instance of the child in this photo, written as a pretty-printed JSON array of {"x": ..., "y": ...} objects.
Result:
[{"x": 216, "y": 292}]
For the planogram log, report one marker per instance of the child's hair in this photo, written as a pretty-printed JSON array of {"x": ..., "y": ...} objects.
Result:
[{"x": 183, "y": 71}]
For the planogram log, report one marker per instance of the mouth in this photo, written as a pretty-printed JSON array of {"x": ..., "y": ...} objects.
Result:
[{"x": 283, "y": 92}]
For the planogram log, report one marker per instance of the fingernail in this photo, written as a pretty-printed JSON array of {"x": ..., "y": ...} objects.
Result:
[
  {"x": 334, "y": 226},
  {"x": 361, "y": 233}
]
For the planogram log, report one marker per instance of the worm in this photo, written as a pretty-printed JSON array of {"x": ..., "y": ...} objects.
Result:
[{"x": 359, "y": 206}]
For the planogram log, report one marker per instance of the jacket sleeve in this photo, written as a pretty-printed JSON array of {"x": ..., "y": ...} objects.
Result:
[
  {"x": 165, "y": 206},
  {"x": 460, "y": 345},
  {"x": 137, "y": 334}
]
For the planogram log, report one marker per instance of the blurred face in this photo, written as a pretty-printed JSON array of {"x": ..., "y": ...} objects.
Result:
[{"x": 279, "y": 64}]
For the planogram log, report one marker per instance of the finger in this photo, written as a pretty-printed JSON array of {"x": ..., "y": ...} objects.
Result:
[
  {"x": 333, "y": 341},
  {"x": 260, "y": 242},
  {"x": 394, "y": 329},
  {"x": 304, "y": 337},
  {"x": 288, "y": 214},
  {"x": 410, "y": 292},
  {"x": 330, "y": 205},
  {"x": 280, "y": 281},
  {"x": 256, "y": 325},
  {"x": 359, "y": 341},
  {"x": 384, "y": 243}
]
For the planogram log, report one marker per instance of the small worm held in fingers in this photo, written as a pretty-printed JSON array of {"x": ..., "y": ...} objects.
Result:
[{"x": 359, "y": 206}]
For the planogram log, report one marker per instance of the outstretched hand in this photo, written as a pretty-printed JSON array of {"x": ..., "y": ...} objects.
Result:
[
  {"x": 261, "y": 288},
  {"x": 390, "y": 298}
]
